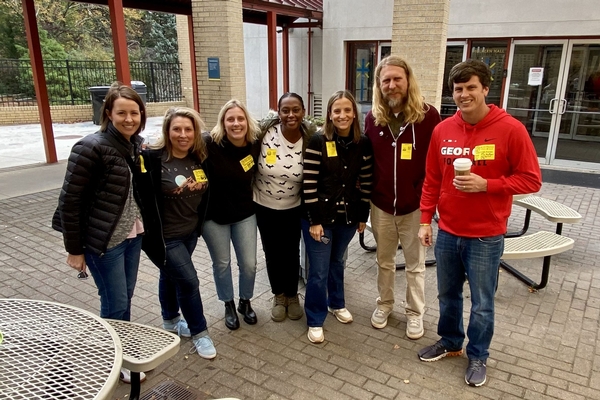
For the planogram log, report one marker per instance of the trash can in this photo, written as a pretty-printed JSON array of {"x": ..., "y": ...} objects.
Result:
[
  {"x": 141, "y": 89},
  {"x": 97, "y": 93}
]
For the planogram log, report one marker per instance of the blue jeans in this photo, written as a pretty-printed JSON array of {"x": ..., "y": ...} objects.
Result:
[
  {"x": 325, "y": 286},
  {"x": 178, "y": 285},
  {"x": 243, "y": 236},
  {"x": 478, "y": 259},
  {"x": 115, "y": 273}
]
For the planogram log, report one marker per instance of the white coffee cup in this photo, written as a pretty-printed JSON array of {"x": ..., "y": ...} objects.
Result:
[{"x": 462, "y": 166}]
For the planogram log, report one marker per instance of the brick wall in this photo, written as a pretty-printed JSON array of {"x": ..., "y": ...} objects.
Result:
[
  {"x": 68, "y": 114},
  {"x": 419, "y": 36},
  {"x": 218, "y": 32},
  {"x": 183, "y": 43}
]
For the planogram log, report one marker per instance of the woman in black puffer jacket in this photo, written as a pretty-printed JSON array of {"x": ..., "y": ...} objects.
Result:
[{"x": 99, "y": 212}]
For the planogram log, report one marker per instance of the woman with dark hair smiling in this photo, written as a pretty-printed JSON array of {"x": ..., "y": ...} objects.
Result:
[
  {"x": 277, "y": 194},
  {"x": 99, "y": 209},
  {"x": 337, "y": 188}
]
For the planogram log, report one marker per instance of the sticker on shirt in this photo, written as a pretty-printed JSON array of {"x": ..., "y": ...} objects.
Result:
[
  {"x": 406, "y": 152},
  {"x": 247, "y": 163},
  {"x": 485, "y": 152},
  {"x": 271, "y": 156},
  {"x": 200, "y": 175},
  {"x": 331, "y": 150}
]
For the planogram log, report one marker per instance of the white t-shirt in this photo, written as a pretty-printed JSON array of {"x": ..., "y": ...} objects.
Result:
[{"x": 279, "y": 171}]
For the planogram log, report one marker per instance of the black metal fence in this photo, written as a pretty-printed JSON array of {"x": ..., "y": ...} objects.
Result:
[{"x": 68, "y": 81}]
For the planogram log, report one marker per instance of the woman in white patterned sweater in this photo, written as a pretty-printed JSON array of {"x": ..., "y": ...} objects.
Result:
[{"x": 277, "y": 194}]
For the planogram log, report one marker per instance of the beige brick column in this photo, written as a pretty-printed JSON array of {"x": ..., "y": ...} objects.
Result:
[
  {"x": 183, "y": 44},
  {"x": 219, "y": 32},
  {"x": 419, "y": 35}
]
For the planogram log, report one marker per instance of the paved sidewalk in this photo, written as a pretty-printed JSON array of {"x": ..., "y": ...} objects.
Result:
[{"x": 546, "y": 344}]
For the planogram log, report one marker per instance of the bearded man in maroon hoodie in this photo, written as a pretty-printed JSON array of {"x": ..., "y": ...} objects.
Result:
[
  {"x": 473, "y": 211},
  {"x": 399, "y": 127}
]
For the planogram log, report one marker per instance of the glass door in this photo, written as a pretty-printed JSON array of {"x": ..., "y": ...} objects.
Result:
[
  {"x": 534, "y": 85},
  {"x": 579, "y": 130}
]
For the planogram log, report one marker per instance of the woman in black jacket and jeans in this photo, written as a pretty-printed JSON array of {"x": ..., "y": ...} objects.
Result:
[
  {"x": 99, "y": 211},
  {"x": 174, "y": 182},
  {"x": 338, "y": 168}
]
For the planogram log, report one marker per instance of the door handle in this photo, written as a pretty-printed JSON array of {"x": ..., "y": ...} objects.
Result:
[
  {"x": 551, "y": 106},
  {"x": 563, "y": 106}
]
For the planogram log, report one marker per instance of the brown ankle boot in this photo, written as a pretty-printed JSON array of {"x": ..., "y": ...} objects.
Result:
[
  {"x": 278, "y": 311},
  {"x": 294, "y": 310}
]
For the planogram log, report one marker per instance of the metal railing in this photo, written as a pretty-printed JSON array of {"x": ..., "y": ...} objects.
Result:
[{"x": 68, "y": 81}]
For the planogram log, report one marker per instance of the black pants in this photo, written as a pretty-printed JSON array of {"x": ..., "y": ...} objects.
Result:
[{"x": 280, "y": 235}]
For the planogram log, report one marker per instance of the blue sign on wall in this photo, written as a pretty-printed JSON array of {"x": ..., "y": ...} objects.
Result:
[{"x": 214, "y": 69}]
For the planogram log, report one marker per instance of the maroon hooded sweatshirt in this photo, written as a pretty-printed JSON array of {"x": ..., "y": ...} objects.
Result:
[{"x": 399, "y": 164}]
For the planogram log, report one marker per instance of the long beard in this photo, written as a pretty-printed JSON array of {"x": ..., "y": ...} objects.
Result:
[{"x": 395, "y": 103}]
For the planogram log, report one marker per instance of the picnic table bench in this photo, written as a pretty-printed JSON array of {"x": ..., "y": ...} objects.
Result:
[
  {"x": 144, "y": 348},
  {"x": 540, "y": 244}
]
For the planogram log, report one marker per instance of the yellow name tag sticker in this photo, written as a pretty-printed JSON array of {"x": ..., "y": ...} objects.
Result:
[
  {"x": 271, "y": 156},
  {"x": 406, "y": 152},
  {"x": 331, "y": 150},
  {"x": 142, "y": 166},
  {"x": 200, "y": 175},
  {"x": 485, "y": 152},
  {"x": 247, "y": 163}
]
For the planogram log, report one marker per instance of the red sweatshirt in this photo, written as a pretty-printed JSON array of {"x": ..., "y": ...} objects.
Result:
[{"x": 502, "y": 153}]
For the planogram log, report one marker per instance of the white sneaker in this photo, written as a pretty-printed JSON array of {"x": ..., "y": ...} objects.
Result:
[
  {"x": 379, "y": 318},
  {"x": 414, "y": 328},
  {"x": 315, "y": 334},
  {"x": 126, "y": 376},
  {"x": 341, "y": 314}
]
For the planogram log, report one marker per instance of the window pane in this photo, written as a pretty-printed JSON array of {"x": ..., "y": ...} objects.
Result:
[
  {"x": 454, "y": 55},
  {"x": 493, "y": 54},
  {"x": 360, "y": 70}
]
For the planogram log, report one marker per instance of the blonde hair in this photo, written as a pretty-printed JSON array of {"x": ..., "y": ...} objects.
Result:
[
  {"x": 199, "y": 147},
  {"x": 414, "y": 107},
  {"x": 329, "y": 128},
  {"x": 218, "y": 132}
]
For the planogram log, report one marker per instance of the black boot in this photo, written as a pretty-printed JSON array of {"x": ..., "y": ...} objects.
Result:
[
  {"x": 231, "y": 317},
  {"x": 246, "y": 310}
]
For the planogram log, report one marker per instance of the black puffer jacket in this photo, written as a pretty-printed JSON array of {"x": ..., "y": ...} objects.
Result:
[{"x": 94, "y": 192}]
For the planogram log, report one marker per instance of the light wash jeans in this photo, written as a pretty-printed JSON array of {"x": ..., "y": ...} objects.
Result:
[
  {"x": 478, "y": 259},
  {"x": 243, "y": 236},
  {"x": 115, "y": 274}
]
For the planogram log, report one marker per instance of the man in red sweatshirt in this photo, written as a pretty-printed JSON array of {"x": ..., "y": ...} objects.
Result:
[
  {"x": 399, "y": 127},
  {"x": 473, "y": 211}
]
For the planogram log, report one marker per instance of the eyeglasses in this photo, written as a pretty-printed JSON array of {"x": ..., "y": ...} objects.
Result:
[
  {"x": 82, "y": 275},
  {"x": 325, "y": 240}
]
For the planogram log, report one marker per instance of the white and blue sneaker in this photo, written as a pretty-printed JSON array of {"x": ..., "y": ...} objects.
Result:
[
  {"x": 205, "y": 347},
  {"x": 179, "y": 326}
]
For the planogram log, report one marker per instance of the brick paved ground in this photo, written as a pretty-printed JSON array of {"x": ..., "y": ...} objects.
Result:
[{"x": 546, "y": 344}]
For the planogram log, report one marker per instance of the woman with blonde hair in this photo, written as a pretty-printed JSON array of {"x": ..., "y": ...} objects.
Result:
[
  {"x": 231, "y": 216},
  {"x": 175, "y": 183}
]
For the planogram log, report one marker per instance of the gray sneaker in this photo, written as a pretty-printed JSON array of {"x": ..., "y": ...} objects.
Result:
[
  {"x": 414, "y": 328},
  {"x": 379, "y": 318},
  {"x": 180, "y": 327},
  {"x": 205, "y": 347},
  {"x": 476, "y": 373}
]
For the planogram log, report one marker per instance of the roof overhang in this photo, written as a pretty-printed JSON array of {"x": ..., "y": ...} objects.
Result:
[{"x": 254, "y": 11}]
